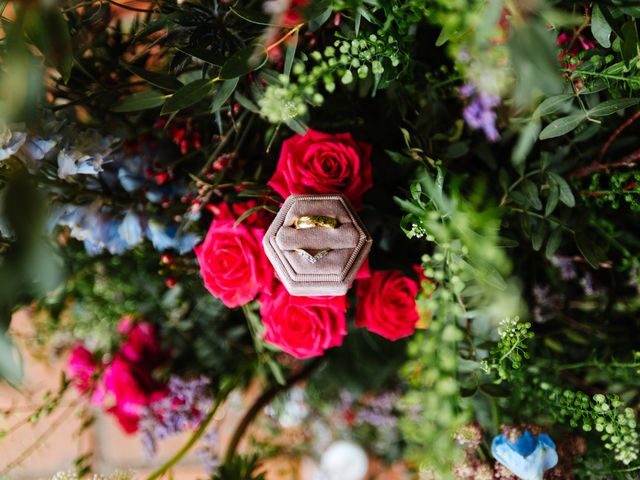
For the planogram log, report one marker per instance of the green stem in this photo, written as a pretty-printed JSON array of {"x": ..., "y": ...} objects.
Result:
[
  {"x": 262, "y": 401},
  {"x": 195, "y": 437}
]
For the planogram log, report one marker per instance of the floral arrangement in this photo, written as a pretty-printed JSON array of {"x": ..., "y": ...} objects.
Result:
[{"x": 490, "y": 148}]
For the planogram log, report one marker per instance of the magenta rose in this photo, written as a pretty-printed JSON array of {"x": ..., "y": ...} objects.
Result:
[
  {"x": 131, "y": 388},
  {"x": 318, "y": 162},
  {"x": 232, "y": 262},
  {"x": 387, "y": 304},
  {"x": 303, "y": 326},
  {"x": 82, "y": 369}
]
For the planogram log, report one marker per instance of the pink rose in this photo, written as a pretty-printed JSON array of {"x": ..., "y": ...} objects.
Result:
[
  {"x": 131, "y": 388},
  {"x": 141, "y": 345},
  {"x": 81, "y": 369},
  {"x": 303, "y": 326},
  {"x": 232, "y": 262},
  {"x": 387, "y": 304},
  {"x": 323, "y": 163}
]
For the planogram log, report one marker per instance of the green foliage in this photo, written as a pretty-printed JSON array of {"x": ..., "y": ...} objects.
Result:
[
  {"x": 617, "y": 190},
  {"x": 239, "y": 468}
]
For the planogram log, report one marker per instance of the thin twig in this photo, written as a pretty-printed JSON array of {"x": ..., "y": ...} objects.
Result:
[
  {"x": 628, "y": 161},
  {"x": 617, "y": 132}
]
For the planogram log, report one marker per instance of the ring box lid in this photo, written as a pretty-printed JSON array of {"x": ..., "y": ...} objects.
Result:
[{"x": 333, "y": 273}]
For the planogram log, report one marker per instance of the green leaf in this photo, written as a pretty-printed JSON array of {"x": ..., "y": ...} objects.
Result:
[
  {"x": 291, "y": 54},
  {"x": 409, "y": 206},
  {"x": 561, "y": 126},
  {"x": 252, "y": 16},
  {"x": 158, "y": 79},
  {"x": 297, "y": 125},
  {"x": 566, "y": 195},
  {"x": 399, "y": 158},
  {"x": 552, "y": 199},
  {"x": 589, "y": 249},
  {"x": 553, "y": 243},
  {"x": 246, "y": 103},
  {"x": 612, "y": 106},
  {"x": 526, "y": 141},
  {"x": 203, "y": 54},
  {"x": 188, "y": 95},
  {"x": 243, "y": 61},
  {"x": 600, "y": 28},
  {"x": 224, "y": 92},
  {"x": 247, "y": 213},
  {"x": 539, "y": 234},
  {"x": 530, "y": 191},
  {"x": 140, "y": 101},
  {"x": 629, "y": 45},
  {"x": 496, "y": 390},
  {"x": 49, "y": 32},
  {"x": 553, "y": 104},
  {"x": 320, "y": 20}
]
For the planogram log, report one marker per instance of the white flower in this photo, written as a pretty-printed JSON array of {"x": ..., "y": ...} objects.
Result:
[{"x": 344, "y": 460}]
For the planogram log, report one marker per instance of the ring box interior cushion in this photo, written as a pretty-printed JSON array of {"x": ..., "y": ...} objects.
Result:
[{"x": 349, "y": 244}]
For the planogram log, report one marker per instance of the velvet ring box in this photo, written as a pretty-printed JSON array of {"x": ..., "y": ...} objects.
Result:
[{"x": 320, "y": 260}]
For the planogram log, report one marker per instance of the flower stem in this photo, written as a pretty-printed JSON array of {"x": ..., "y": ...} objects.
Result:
[{"x": 262, "y": 401}]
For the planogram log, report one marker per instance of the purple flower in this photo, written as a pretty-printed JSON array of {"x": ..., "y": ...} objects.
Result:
[
  {"x": 566, "y": 267},
  {"x": 479, "y": 113}
]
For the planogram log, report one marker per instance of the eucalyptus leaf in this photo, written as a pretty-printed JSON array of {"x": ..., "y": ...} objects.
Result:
[
  {"x": 243, "y": 61},
  {"x": 553, "y": 243},
  {"x": 290, "y": 55},
  {"x": 552, "y": 199},
  {"x": 223, "y": 93},
  {"x": 530, "y": 190},
  {"x": 562, "y": 126},
  {"x": 154, "y": 78},
  {"x": 188, "y": 95},
  {"x": 246, "y": 103},
  {"x": 140, "y": 101},
  {"x": 539, "y": 235},
  {"x": 589, "y": 249}
]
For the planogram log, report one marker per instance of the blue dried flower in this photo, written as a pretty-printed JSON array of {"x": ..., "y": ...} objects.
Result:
[{"x": 528, "y": 457}]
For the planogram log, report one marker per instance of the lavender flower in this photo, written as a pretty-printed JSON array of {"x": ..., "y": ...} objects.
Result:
[
  {"x": 565, "y": 265},
  {"x": 479, "y": 113},
  {"x": 183, "y": 408},
  {"x": 378, "y": 411},
  {"x": 207, "y": 452},
  {"x": 547, "y": 303}
]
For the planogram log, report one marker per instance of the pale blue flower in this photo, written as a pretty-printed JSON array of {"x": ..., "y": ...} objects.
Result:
[
  {"x": 10, "y": 142},
  {"x": 528, "y": 457},
  {"x": 130, "y": 229},
  {"x": 34, "y": 150},
  {"x": 74, "y": 162},
  {"x": 165, "y": 237}
]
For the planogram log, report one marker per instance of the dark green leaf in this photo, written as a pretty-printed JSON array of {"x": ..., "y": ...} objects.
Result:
[
  {"x": 188, "y": 95},
  {"x": 612, "y": 106},
  {"x": 297, "y": 125},
  {"x": 246, "y": 103},
  {"x": 203, "y": 54},
  {"x": 526, "y": 141},
  {"x": 552, "y": 199},
  {"x": 248, "y": 213},
  {"x": 566, "y": 195},
  {"x": 399, "y": 158},
  {"x": 49, "y": 32},
  {"x": 629, "y": 45},
  {"x": 158, "y": 79},
  {"x": 252, "y": 16},
  {"x": 600, "y": 27},
  {"x": 553, "y": 243},
  {"x": 496, "y": 390},
  {"x": 224, "y": 92},
  {"x": 243, "y": 61},
  {"x": 320, "y": 20},
  {"x": 530, "y": 190},
  {"x": 409, "y": 206},
  {"x": 589, "y": 249},
  {"x": 539, "y": 234},
  {"x": 562, "y": 125},
  {"x": 140, "y": 101}
]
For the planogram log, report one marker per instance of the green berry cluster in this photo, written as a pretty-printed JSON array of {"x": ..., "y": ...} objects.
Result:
[
  {"x": 616, "y": 190},
  {"x": 361, "y": 57},
  {"x": 511, "y": 349},
  {"x": 603, "y": 413}
]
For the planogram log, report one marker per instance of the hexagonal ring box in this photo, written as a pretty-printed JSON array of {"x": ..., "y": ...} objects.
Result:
[{"x": 317, "y": 259}]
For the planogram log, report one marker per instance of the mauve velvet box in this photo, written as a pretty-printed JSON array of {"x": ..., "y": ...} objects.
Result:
[{"x": 348, "y": 245}]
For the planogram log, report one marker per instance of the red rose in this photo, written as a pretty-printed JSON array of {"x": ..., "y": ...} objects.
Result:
[
  {"x": 232, "y": 262},
  {"x": 322, "y": 163},
  {"x": 303, "y": 326},
  {"x": 387, "y": 304}
]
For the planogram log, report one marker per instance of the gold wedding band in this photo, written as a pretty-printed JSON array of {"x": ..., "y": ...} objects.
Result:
[
  {"x": 312, "y": 258},
  {"x": 312, "y": 221}
]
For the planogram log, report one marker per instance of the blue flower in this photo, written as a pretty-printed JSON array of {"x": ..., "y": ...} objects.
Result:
[
  {"x": 528, "y": 457},
  {"x": 74, "y": 162}
]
